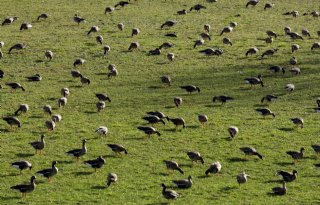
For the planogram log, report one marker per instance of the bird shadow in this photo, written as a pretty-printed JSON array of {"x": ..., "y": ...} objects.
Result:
[
  {"x": 203, "y": 177},
  {"x": 82, "y": 173},
  {"x": 134, "y": 138},
  {"x": 90, "y": 112},
  {"x": 186, "y": 165},
  {"x": 38, "y": 61},
  {"x": 66, "y": 162},
  {"x": 194, "y": 126},
  {"x": 284, "y": 163},
  {"x": 259, "y": 105},
  {"x": 211, "y": 105},
  {"x": 35, "y": 116},
  {"x": 160, "y": 63},
  {"x": 6, "y": 198},
  {"x": 154, "y": 87},
  {"x": 286, "y": 129},
  {"x": 75, "y": 86},
  {"x": 51, "y": 99},
  {"x": 98, "y": 187},
  {"x": 101, "y": 73},
  {"x": 236, "y": 159},
  {"x": 274, "y": 181},
  {"x": 170, "y": 130},
  {"x": 3, "y": 130},
  {"x": 169, "y": 107},
  {"x": 10, "y": 175},
  {"x": 159, "y": 203},
  {"x": 227, "y": 189},
  {"x": 65, "y": 81},
  {"x": 22, "y": 155},
  {"x": 163, "y": 174},
  {"x": 110, "y": 156}
]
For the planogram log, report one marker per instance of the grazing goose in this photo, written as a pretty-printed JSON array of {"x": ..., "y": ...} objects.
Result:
[
  {"x": 183, "y": 183},
  {"x": 34, "y": 78},
  {"x": 1, "y": 74},
  {"x": 295, "y": 71},
  {"x": 38, "y": 145},
  {"x": 205, "y": 36},
  {"x": 227, "y": 29},
  {"x": 250, "y": 151},
  {"x": 252, "y": 51},
  {"x": 298, "y": 121},
  {"x": 120, "y": 26},
  {"x": 48, "y": 54},
  {"x": 75, "y": 73},
  {"x": 203, "y": 119},
  {"x": 315, "y": 14},
  {"x": 108, "y": 9},
  {"x": 103, "y": 97},
  {"x": 122, "y": 4},
  {"x": 289, "y": 87},
  {"x": 106, "y": 49},
  {"x": 9, "y": 20},
  {"x": 77, "y": 153},
  {"x": 50, "y": 124},
  {"x": 296, "y": 155},
  {"x": 100, "y": 105},
  {"x": 93, "y": 29},
  {"x": 22, "y": 165},
  {"x": 269, "y": 40},
  {"x": 182, "y": 12},
  {"x": 169, "y": 194},
  {"x": 177, "y": 101},
  {"x": 233, "y": 131},
  {"x": 198, "y": 42},
  {"x": 269, "y": 52},
  {"x": 178, "y": 122},
  {"x": 233, "y": 24},
  {"x": 173, "y": 165},
  {"x": 254, "y": 81},
  {"x": 152, "y": 119},
  {"x": 112, "y": 177},
  {"x": 294, "y": 35},
  {"x": 99, "y": 39},
  {"x": 316, "y": 148},
  {"x": 294, "y": 47},
  {"x": 149, "y": 130},
  {"x": 65, "y": 92},
  {"x": 95, "y": 163},
  {"x": 47, "y": 109},
  {"x": 170, "y": 56},
  {"x": 135, "y": 31},
  {"x": 26, "y": 188},
  {"x": 166, "y": 45},
  {"x": 197, "y": 7},
  {"x": 293, "y": 13},
  {"x": 269, "y": 98},
  {"x": 78, "y": 19},
  {"x": 288, "y": 176},
  {"x": 112, "y": 73},
  {"x": 134, "y": 46},
  {"x": 305, "y": 32},
  {"x": 117, "y": 148},
  {"x": 62, "y": 102},
  {"x": 43, "y": 16},
  {"x": 15, "y": 86},
  {"x": 84, "y": 80},
  {"x": 242, "y": 178},
  {"x": 280, "y": 190},
  {"x": 195, "y": 157},
  {"x": 159, "y": 114},
  {"x": 155, "y": 52},
  {"x": 222, "y": 98},
  {"x": 174, "y": 35},
  {"x": 50, "y": 172},
  {"x": 214, "y": 168},
  {"x": 166, "y": 80},
  {"x": 78, "y": 62},
  {"x": 22, "y": 108},
  {"x": 190, "y": 88},
  {"x": 102, "y": 130},
  {"x": 271, "y": 34},
  {"x": 18, "y": 46},
  {"x": 253, "y": 3},
  {"x": 277, "y": 69},
  {"x": 265, "y": 112},
  {"x": 268, "y": 6},
  {"x": 56, "y": 118},
  {"x": 207, "y": 28},
  {"x": 168, "y": 23},
  {"x": 315, "y": 45},
  {"x": 25, "y": 26},
  {"x": 227, "y": 41},
  {"x": 293, "y": 60},
  {"x": 12, "y": 121}
]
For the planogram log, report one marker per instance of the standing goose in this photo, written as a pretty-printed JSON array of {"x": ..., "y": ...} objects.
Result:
[
  {"x": 50, "y": 125},
  {"x": 78, "y": 62},
  {"x": 18, "y": 46},
  {"x": 15, "y": 86},
  {"x": 169, "y": 194},
  {"x": 265, "y": 112},
  {"x": 252, "y": 3},
  {"x": 198, "y": 42},
  {"x": 25, "y": 26},
  {"x": 95, "y": 163},
  {"x": 205, "y": 36},
  {"x": 293, "y": 60},
  {"x": 195, "y": 157},
  {"x": 153, "y": 119},
  {"x": 173, "y": 165},
  {"x": 242, "y": 178},
  {"x": 120, "y": 26},
  {"x": 100, "y": 105},
  {"x": 26, "y": 188},
  {"x": 294, "y": 47},
  {"x": 305, "y": 32},
  {"x": 289, "y": 87},
  {"x": 190, "y": 88},
  {"x": 12, "y": 121},
  {"x": 9, "y": 20},
  {"x": 65, "y": 92},
  {"x": 296, "y": 155},
  {"x": 214, "y": 168},
  {"x": 277, "y": 69},
  {"x": 102, "y": 130},
  {"x": 48, "y": 54},
  {"x": 295, "y": 71},
  {"x": 108, "y": 9},
  {"x": 62, "y": 102},
  {"x": 78, "y": 19},
  {"x": 222, "y": 98},
  {"x": 288, "y": 176},
  {"x": 254, "y": 81},
  {"x": 268, "y": 6},
  {"x": 166, "y": 80},
  {"x": 135, "y": 32},
  {"x": 183, "y": 183},
  {"x": 168, "y": 23},
  {"x": 315, "y": 45},
  {"x": 159, "y": 114},
  {"x": 77, "y": 153},
  {"x": 22, "y": 108},
  {"x": 99, "y": 39},
  {"x": 227, "y": 41},
  {"x": 47, "y": 109},
  {"x": 38, "y": 145},
  {"x": 103, "y": 97},
  {"x": 93, "y": 29},
  {"x": 269, "y": 98},
  {"x": 149, "y": 130},
  {"x": 134, "y": 46},
  {"x": 170, "y": 56},
  {"x": 280, "y": 190},
  {"x": 252, "y": 51},
  {"x": 269, "y": 40},
  {"x": 112, "y": 177},
  {"x": 178, "y": 122},
  {"x": 43, "y": 16},
  {"x": 271, "y": 33},
  {"x": 269, "y": 52},
  {"x": 197, "y": 7},
  {"x": 203, "y": 119},
  {"x": 22, "y": 165},
  {"x": 50, "y": 172},
  {"x": 112, "y": 73},
  {"x": 207, "y": 28},
  {"x": 177, "y": 101},
  {"x": 117, "y": 148},
  {"x": 34, "y": 78},
  {"x": 250, "y": 151},
  {"x": 227, "y": 29},
  {"x": 106, "y": 49},
  {"x": 298, "y": 121},
  {"x": 56, "y": 118},
  {"x": 233, "y": 131}
]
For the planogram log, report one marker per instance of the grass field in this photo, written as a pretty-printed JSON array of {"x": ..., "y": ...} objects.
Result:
[{"x": 138, "y": 89}]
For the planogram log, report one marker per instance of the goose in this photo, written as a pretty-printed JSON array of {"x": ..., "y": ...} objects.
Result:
[
  {"x": 318, "y": 102},
  {"x": 233, "y": 24},
  {"x": 50, "y": 172},
  {"x": 294, "y": 35},
  {"x": 205, "y": 36},
  {"x": 287, "y": 30},
  {"x": 77, "y": 153},
  {"x": 227, "y": 29},
  {"x": 18, "y": 46},
  {"x": 153, "y": 119},
  {"x": 214, "y": 168},
  {"x": 75, "y": 73},
  {"x": 106, "y": 49},
  {"x": 252, "y": 51},
  {"x": 34, "y": 78},
  {"x": 195, "y": 157},
  {"x": 198, "y": 42},
  {"x": 298, "y": 121},
  {"x": 253, "y": 3},
  {"x": 112, "y": 73},
  {"x": 62, "y": 102},
  {"x": 65, "y": 92},
  {"x": 43, "y": 16},
  {"x": 117, "y": 148},
  {"x": 316, "y": 148},
  {"x": 100, "y": 105},
  {"x": 207, "y": 28},
  {"x": 50, "y": 124},
  {"x": 95, "y": 163},
  {"x": 174, "y": 35},
  {"x": 227, "y": 41},
  {"x": 47, "y": 109},
  {"x": 15, "y": 86},
  {"x": 12, "y": 121},
  {"x": 93, "y": 29},
  {"x": 26, "y": 188},
  {"x": 25, "y": 26},
  {"x": 99, "y": 39},
  {"x": 170, "y": 56},
  {"x": 173, "y": 165},
  {"x": 78, "y": 62},
  {"x": 102, "y": 130},
  {"x": 293, "y": 13},
  {"x": 294, "y": 47},
  {"x": 84, "y": 80},
  {"x": 183, "y": 183},
  {"x": 1, "y": 74},
  {"x": 168, "y": 193},
  {"x": 315, "y": 14},
  {"x": 166, "y": 79},
  {"x": 197, "y": 7},
  {"x": 48, "y": 54},
  {"x": 155, "y": 52},
  {"x": 254, "y": 81},
  {"x": 159, "y": 114},
  {"x": 250, "y": 151},
  {"x": 134, "y": 46},
  {"x": 242, "y": 178},
  {"x": 296, "y": 155},
  {"x": 112, "y": 177},
  {"x": 203, "y": 119},
  {"x": 293, "y": 60},
  {"x": 265, "y": 112},
  {"x": 56, "y": 118},
  {"x": 22, "y": 108},
  {"x": 315, "y": 45},
  {"x": 288, "y": 176},
  {"x": 182, "y": 12},
  {"x": 22, "y": 165},
  {"x": 168, "y": 23},
  {"x": 149, "y": 130},
  {"x": 269, "y": 98},
  {"x": 271, "y": 33},
  {"x": 277, "y": 69},
  {"x": 233, "y": 131},
  {"x": 166, "y": 45},
  {"x": 222, "y": 98},
  {"x": 122, "y": 4},
  {"x": 108, "y": 9},
  {"x": 289, "y": 87},
  {"x": 318, "y": 32},
  {"x": 1, "y": 44},
  {"x": 103, "y": 97},
  {"x": 177, "y": 101},
  {"x": 295, "y": 71},
  {"x": 38, "y": 145},
  {"x": 111, "y": 67},
  {"x": 280, "y": 190},
  {"x": 9, "y": 20},
  {"x": 178, "y": 122},
  {"x": 190, "y": 88},
  {"x": 305, "y": 32},
  {"x": 120, "y": 26},
  {"x": 135, "y": 31},
  {"x": 269, "y": 52},
  {"x": 269, "y": 40},
  {"x": 78, "y": 19},
  {"x": 268, "y": 6},
  {"x": 1, "y": 54}
]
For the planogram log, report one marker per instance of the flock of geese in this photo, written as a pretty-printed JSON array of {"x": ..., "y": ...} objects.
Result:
[{"x": 154, "y": 117}]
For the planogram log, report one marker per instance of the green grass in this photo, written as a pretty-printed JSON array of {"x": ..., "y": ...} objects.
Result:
[{"x": 138, "y": 89}]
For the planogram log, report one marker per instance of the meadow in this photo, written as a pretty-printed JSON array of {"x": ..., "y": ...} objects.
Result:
[{"x": 138, "y": 89}]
